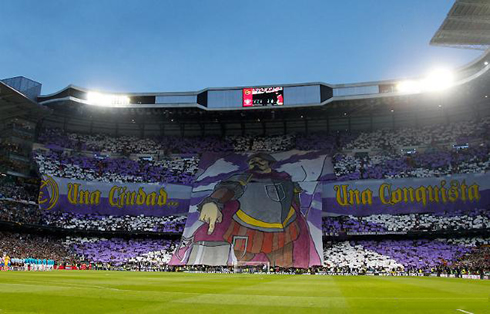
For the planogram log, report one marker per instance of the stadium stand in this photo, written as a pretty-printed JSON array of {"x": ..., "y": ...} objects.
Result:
[
  {"x": 18, "y": 189},
  {"x": 110, "y": 159},
  {"x": 363, "y": 141},
  {"x": 434, "y": 152},
  {"x": 25, "y": 213},
  {"x": 380, "y": 189},
  {"x": 171, "y": 170},
  {"x": 419, "y": 255},
  {"x": 25, "y": 246},
  {"x": 477, "y": 219},
  {"x": 20, "y": 212},
  {"x": 172, "y": 224},
  {"x": 116, "y": 252}
]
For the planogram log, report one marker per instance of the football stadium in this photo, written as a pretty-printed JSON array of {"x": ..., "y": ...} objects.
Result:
[{"x": 369, "y": 197}]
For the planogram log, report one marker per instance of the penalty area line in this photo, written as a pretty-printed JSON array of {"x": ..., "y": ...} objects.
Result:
[{"x": 464, "y": 311}]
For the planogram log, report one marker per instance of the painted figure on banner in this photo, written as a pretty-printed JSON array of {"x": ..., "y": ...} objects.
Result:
[{"x": 254, "y": 216}]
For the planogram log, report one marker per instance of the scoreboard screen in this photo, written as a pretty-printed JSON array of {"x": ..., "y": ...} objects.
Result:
[{"x": 263, "y": 96}]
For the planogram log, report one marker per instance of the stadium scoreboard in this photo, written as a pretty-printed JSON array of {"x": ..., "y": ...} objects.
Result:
[{"x": 263, "y": 96}]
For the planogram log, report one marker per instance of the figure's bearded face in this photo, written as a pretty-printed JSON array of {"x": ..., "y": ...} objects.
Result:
[{"x": 258, "y": 164}]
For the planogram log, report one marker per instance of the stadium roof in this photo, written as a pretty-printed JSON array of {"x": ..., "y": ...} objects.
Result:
[
  {"x": 14, "y": 104},
  {"x": 467, "y": 25}
]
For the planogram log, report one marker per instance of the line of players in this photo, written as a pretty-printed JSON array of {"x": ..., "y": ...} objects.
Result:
[{"x": 26, "y": 264}]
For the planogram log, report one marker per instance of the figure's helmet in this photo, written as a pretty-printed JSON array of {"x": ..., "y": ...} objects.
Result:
[
  {"x": 264, "y": 156},
  {"x": 261, "y": 161}
]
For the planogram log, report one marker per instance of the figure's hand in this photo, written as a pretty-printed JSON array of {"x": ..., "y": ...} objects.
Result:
[{"x": 211, "y": 215}]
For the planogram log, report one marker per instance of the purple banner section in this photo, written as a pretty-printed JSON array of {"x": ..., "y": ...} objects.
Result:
[
  {"x": 410, "y": 195},
  {"x": 117, "y": 199}
]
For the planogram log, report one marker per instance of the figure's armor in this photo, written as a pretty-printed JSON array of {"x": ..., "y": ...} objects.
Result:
[{"x": 265, "y": 203}]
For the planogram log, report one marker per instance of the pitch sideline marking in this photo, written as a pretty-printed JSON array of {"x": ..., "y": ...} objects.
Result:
[{"x": 464, "y": 311}]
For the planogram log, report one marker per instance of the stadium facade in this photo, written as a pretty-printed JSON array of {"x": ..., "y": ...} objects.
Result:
[{"x": 307, "y": 107}]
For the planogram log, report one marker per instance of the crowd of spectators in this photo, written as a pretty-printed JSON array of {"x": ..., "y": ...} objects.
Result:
[
  {"x": 414, "y": 255},
  {"x": 125, "y": 145},
  {"x": 18, "y": 189},
  {"x": 141, "y": 223},
  {"x": 412, "y": 152},
  {"x": 461, "y": 147},
  {"x": 20, "y": 212},
  {"x": 456, "y": 255},
  {"x": 418, "y": 165},
  {"x": 23, "y": 245},
  {"x": 10, "y": 147},
  {"x": 118, "y": 252},
  {"x": 349, "y": 256},
  {"x": 387, "y": 140},
  {"x": 174, "y": 169},
  {"x": 474, "y": 260},
  {"x": 458, "y": 132},
  {"x": 476, "y": 219},
  {"x": 56, "y": 139},
  {"x": 24, "y": 213}
]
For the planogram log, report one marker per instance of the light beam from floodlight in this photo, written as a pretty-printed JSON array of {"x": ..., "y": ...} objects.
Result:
[
  {"x": 99, "y": 99},
  {"x": 409, "y": 86},
  {"x": 438, "y": 80}
]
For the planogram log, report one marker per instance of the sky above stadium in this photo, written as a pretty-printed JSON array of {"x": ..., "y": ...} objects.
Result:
[{"x": 151, "y": 46}]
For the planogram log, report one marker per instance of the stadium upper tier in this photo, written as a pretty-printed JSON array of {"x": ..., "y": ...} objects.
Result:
[
  {"x": 273, "y": 95},
  {"x": 459, "y": 147},
  {"x": 277, "y": 108}
]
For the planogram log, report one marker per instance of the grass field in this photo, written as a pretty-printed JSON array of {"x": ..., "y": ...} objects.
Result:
[{"x": 131, "y": 292}]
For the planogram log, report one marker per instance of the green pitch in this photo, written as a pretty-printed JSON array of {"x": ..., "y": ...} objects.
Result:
[{"x": 129, "y": 292}]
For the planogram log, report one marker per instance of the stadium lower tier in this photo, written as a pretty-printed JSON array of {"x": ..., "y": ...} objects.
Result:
[
  {"x": 415, "y": 255},
  {"x": 468, "y": 255},
  {"x": 121, "y": 252},
  {"x": 30, "y": 246}
]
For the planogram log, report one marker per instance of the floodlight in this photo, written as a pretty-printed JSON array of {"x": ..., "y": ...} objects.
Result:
[
  {"x": 99, "y": 99},
  {"x": 437, "y": 80},
  {"x": 409, "y": 86}
]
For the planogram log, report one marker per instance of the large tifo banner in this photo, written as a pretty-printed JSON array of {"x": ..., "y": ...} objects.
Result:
[
  {"x": 411, "y": 195},
  {"x": 256, "y": 209},
  {"x": 117, "y": 199}
]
